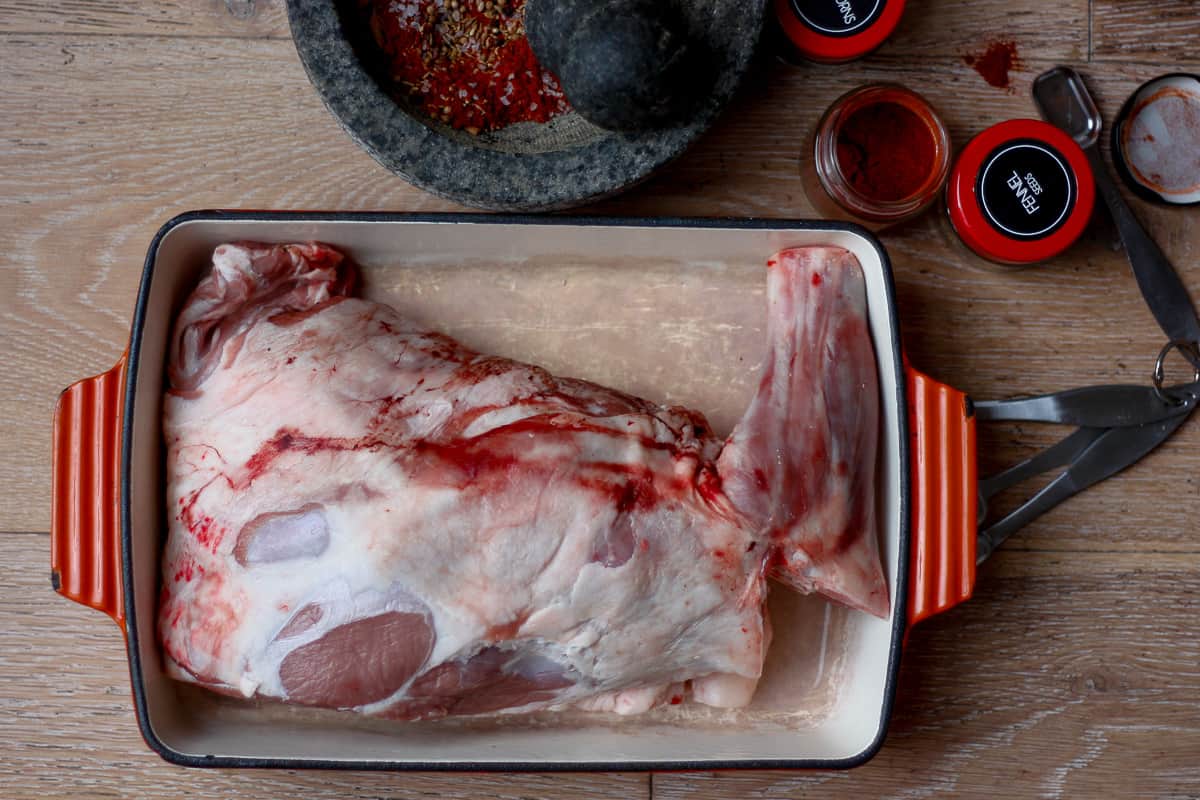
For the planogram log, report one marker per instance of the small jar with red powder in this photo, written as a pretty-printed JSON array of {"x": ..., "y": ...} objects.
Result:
[
  {"x": 1020, "y": 192},
  {"x": 879, "y": 156}
]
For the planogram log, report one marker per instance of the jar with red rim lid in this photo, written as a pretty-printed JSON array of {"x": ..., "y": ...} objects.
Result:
[
  {"x": 835, "y": 31},
  {"x": 1020, "y": 192}
]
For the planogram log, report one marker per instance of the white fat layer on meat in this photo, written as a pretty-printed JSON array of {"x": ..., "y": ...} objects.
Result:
[
  {"x": 585, "y": 541},
  {"x": 472, "y": 567}
]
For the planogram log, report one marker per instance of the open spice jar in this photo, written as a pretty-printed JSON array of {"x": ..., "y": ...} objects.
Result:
[
  {"x": 878, "y": 156},
  {"x": 1020, "y": 192}
]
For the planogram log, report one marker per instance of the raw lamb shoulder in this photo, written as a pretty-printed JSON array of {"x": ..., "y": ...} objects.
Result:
[{"x": 364, "y": 514}]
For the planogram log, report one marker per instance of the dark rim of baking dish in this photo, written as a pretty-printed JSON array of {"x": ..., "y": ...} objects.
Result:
[{"x": 899, "y": 591}]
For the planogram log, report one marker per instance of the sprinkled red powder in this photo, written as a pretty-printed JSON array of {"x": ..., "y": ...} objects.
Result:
[
  {"x": 465, "y": 63},
  {"x": 995, "y": 63}
]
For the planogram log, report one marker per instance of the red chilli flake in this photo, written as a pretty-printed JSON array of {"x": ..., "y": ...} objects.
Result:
[
  {"x": 465, "y": 63},
  {"x": 996, "y": 62}
]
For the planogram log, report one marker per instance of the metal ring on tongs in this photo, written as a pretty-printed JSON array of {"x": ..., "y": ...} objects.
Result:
[{"x": 1189, "y": 350}]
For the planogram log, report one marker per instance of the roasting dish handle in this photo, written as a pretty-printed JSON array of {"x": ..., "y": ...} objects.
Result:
[
  {"x": 943, "y": 497},
  {"x": 85, "y": 547},
  {"x": 85, "y": 524}
]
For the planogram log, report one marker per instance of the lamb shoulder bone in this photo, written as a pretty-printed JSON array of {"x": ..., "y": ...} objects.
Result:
[{"x": 367, "y": 515}]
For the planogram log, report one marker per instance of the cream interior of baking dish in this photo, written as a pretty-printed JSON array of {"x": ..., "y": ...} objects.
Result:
[{"x": 675, "y": 314}]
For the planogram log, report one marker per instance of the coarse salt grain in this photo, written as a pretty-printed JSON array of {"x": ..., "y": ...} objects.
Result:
[{"x": 447, "y": 43}]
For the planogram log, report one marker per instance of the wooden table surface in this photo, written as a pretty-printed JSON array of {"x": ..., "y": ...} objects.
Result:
[{"x": 1073, "y": 672}]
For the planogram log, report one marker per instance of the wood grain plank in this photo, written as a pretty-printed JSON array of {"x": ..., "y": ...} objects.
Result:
[
  {"x": 101, "y": 151},
  {"x": 1081, "y": 669},
  {"x": 68, "y": 730},
  {"x": 198, "y": 18},
  {"x": 1165, "y": 32},
  {"x": 937, "y": 28},
  {"x": 1072, "y": 673},
  {"x": 929, "y": 27},
  {"x": 1067, "y": 677},
  {"x": 749, "y": 161}
]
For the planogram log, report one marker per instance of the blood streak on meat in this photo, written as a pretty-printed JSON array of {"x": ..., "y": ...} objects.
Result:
[{"x": 464, "y": 534}]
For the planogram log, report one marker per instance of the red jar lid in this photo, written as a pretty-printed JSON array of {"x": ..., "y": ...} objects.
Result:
[
  {"x": 1021, "y": 192},
  {"x": 832, "y": 31}
]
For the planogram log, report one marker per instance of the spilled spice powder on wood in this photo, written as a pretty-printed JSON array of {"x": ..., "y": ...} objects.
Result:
[
  {"x": 996, "y": 62},
  {"x": 465, "y": 63}
]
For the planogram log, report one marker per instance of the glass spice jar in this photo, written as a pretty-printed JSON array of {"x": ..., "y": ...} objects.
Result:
[
  {"x": 1156, "y": 140},
  {"x": 1020, "y": 192},
  {"x": 879, "y": 156},
  {"x": 834, "y": 31}
]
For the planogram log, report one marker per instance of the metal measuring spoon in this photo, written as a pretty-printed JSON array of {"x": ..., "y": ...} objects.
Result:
[{"x": 1065, "y": 103}]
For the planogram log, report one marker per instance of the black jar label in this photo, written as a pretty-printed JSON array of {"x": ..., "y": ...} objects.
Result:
[
  {"x": 838, "y": 17},
  {"x": 1026, "y": 189}
]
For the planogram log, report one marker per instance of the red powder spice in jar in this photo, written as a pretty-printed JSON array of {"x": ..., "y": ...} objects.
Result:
[
  {"x": 465, "y": 63},
  {"x": 880, "y": 156},
  {"x": 885, "y": 151}
]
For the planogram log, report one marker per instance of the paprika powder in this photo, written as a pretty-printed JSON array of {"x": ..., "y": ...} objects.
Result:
[
  {"x": 464, "y": 63},
  {"x": 885, "y": 151},
  {"x": 880, "y": 156},
  {"x": 995, "y": 63}
]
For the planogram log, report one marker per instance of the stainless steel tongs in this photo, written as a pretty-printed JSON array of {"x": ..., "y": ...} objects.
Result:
[{"x": 1117, "y": 425}]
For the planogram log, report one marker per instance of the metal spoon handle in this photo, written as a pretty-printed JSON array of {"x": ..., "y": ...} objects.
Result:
[{"x": 1160, "y": 284}]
